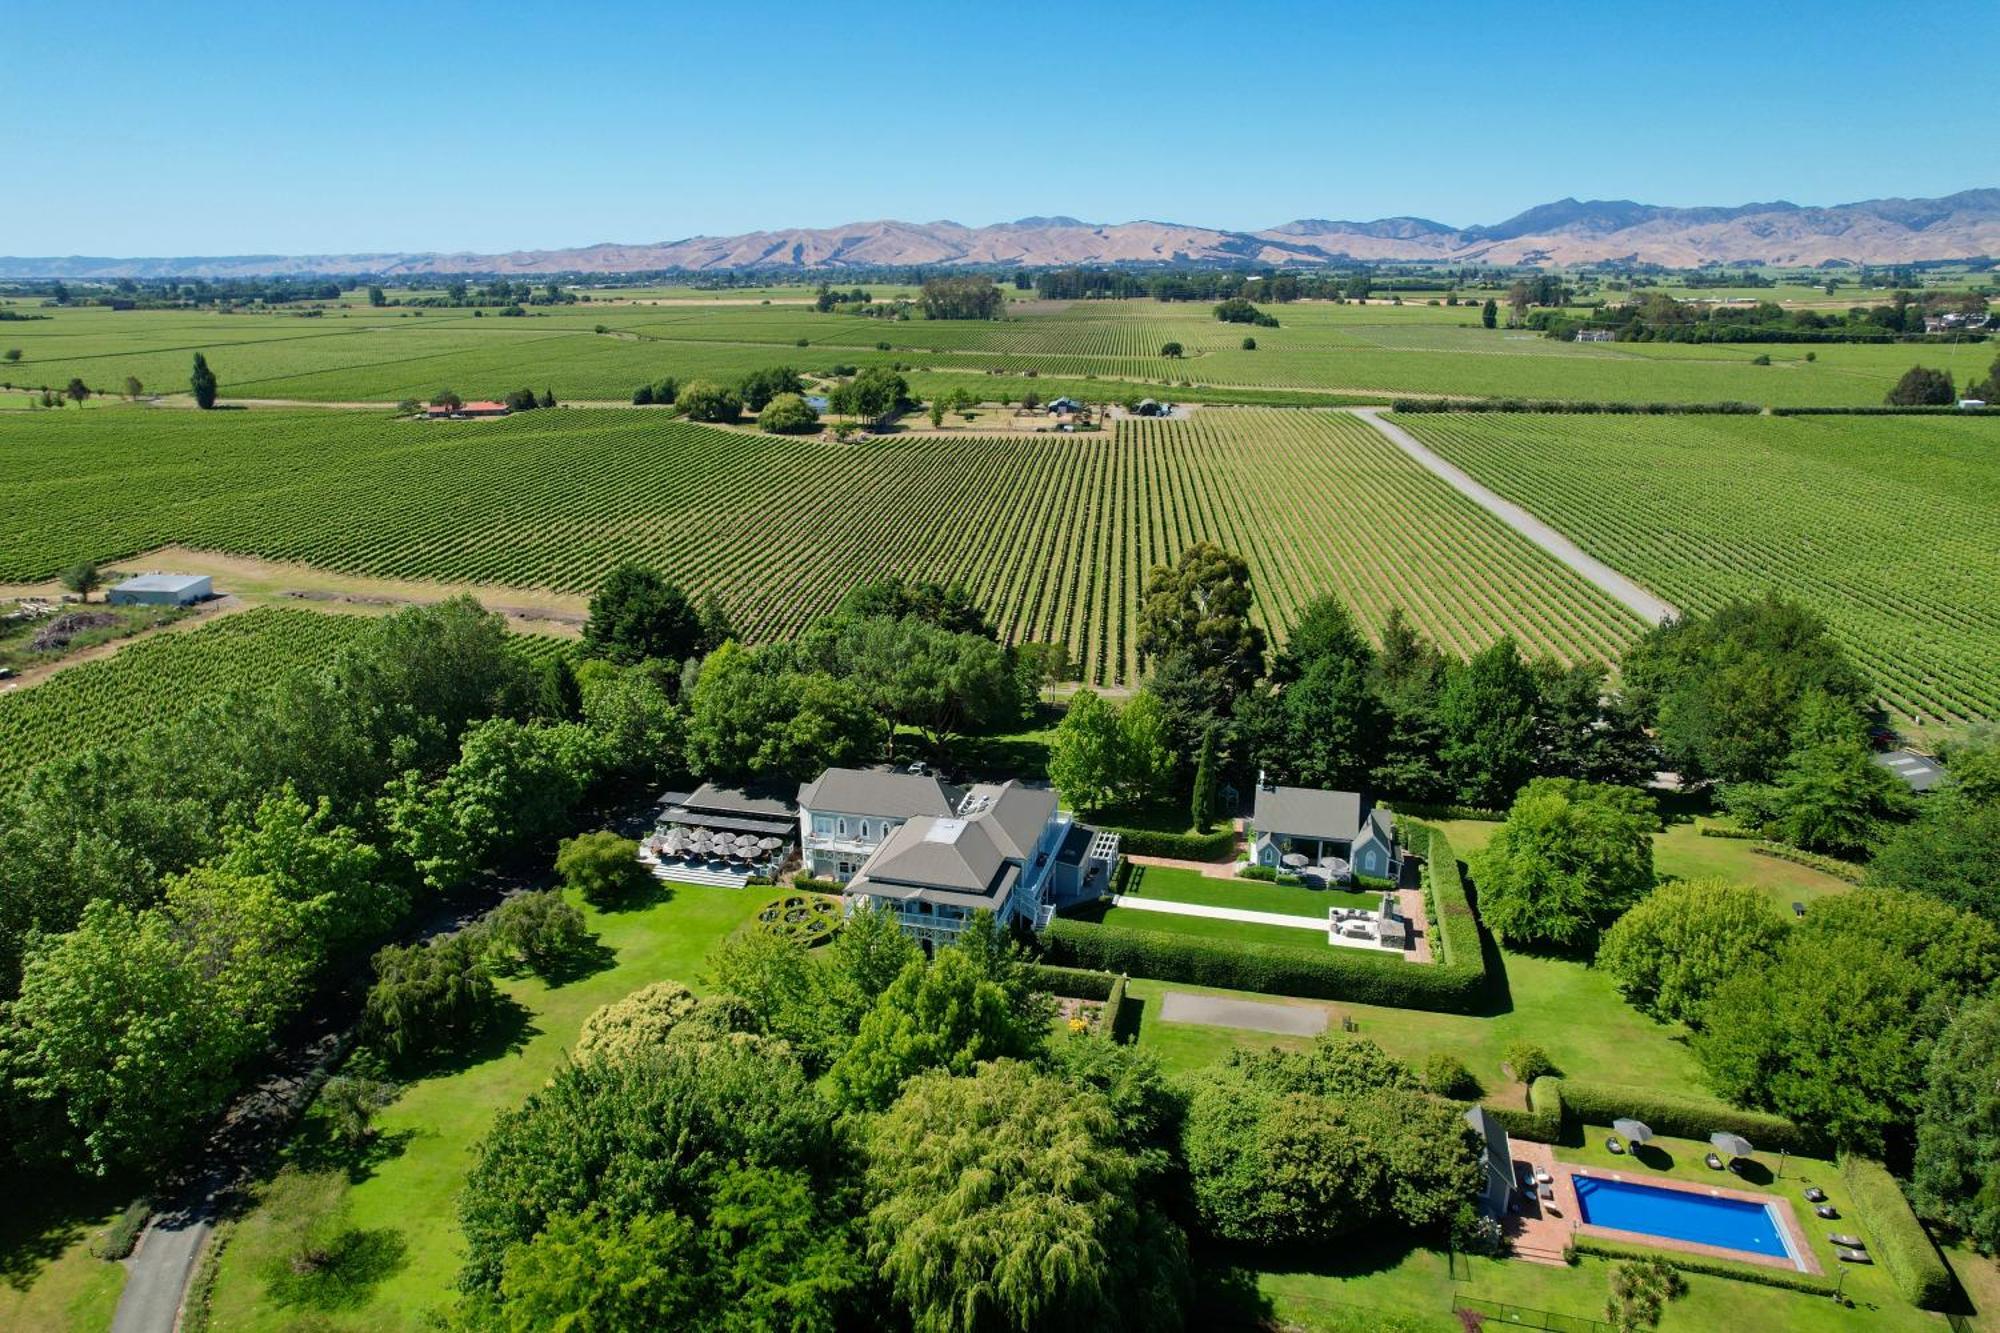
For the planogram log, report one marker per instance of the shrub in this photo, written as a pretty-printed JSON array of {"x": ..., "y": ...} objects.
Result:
[
  {"x": 809, "y": 884},
  {"x": 1446, "y": 1075},
  {"x": 540, "y": 930},
  {"x": 1268, "y": 874},
  {"x": 1249, "y": 344},
  {"x": 1107, "y": 1016},
  {"x": 1529, "y": 1061},
  {"x": 788, "y": 414},
  {"x": 1921, "y": 387},
  {"x": 1273, "y": 969},
  {"x": 1761, "y": 359},
  {"x": 641, "y": 1022},
  {"x": 601, "y": 866},
  {"x": 1900, "y": 1241},
  {"x": 116, "y": 1241}
]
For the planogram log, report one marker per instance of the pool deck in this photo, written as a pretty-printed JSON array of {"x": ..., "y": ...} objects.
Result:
[{"x": 1805, "y": 1260}]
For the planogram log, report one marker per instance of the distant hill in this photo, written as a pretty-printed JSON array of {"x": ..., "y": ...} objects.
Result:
[{"x": 1569, "y": 231}]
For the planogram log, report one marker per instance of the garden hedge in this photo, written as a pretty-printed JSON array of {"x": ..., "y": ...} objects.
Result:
[
  {"x": 1542, "y": 1122},
  {"x": 1076, "y": 983},
  {"x": 1454, "y": 927},
  {"x": 1724, "y": 831},
  {"x": 118, "y": 1239},
  {"x": 1592, "y": 1103},
  {"x": 1114, "y": 1000},
  {"x": 1789, "y": 1279},
  {"x": 809, "y": 884},
  {"x": 1826, "y": 865},
  {"x": 1216, "y": 846},
  {"x": 1895, "y": 1237},
  {"x": 1414, "y": 810}
]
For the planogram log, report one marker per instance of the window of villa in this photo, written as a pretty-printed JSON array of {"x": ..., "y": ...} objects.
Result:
[
  {"x": 843, "y": 826},
  {"x": 864, "y": 830},
  {"x": 822, "y": 824}
]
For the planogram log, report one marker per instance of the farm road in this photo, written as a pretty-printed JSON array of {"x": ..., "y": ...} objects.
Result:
[{"x": 1644, "y": 604}]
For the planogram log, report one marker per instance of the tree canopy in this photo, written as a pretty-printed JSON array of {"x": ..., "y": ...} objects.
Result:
[
  {"x": 1956, "y": 1176},
  {"x": 1570, "y": 857},
  {"x": 636, "y": 615},
  {"x": 1199, "y": 608},
  {"x": 1685, "y": 938}
]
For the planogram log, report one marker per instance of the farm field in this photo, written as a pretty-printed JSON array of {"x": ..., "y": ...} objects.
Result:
[
  {"x": 1052, "y": 534},
  {"x": 1373, "y": 350},
  {"x": 1890, "y": 527}
]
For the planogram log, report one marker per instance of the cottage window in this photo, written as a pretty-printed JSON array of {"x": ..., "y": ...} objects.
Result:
[{"x": 843, "y": 826}]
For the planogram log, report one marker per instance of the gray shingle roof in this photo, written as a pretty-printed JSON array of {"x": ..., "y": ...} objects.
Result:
[
  {"x": 975, "y": 854},
  {"x": 874, "y": 791},
  {"x": 1308, "y": 813}
]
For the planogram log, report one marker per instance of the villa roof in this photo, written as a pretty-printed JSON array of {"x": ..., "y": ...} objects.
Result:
[
  {"x": 877, "y": 791},
  {"x": 731, "y": 809},
  {"x": 972, "y": 858}
]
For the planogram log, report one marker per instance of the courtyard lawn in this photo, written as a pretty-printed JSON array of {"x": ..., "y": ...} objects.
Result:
[
  {"x": 1681, "y": 852},
  {"x": 1561, "y": 1005},
  {"x": 1242, "y": 932},
  {"x": 1191, "y": 886},
  {"x": 408, "y": 1199}
]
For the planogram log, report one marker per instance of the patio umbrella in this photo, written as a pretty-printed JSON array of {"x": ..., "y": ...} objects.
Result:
[
  {"x": 1295, "y": 860},
  {"x": 1632, "y": 1131},
  {"x": 1733, "y": 1144},
  {"x": 770, "y": 844}
]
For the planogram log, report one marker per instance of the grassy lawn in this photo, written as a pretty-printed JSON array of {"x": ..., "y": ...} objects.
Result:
[
  {"x": 1245, "y": 932},
  {"x": 409, "y": 1198},
  {"x": 1372, "y": 1286},
  {"x": 1681, "y": 852},
  {"x": 49, "y": 1279},
  {"x": 1190, "y": 886},
  {"x": 1569, "y": 1010}
]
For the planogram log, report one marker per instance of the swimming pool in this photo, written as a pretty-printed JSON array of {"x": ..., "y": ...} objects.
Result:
[{"x": 1705, "y": 1219}]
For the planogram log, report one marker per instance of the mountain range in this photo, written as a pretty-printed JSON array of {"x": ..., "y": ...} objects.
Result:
[{"x": 1567, "y": 232}]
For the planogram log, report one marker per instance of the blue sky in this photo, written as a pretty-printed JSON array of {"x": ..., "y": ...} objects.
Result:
[{"x": 222, "y": 129}]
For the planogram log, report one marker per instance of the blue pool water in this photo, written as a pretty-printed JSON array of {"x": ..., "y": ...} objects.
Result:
[{"x": 1733, "y": 1224}]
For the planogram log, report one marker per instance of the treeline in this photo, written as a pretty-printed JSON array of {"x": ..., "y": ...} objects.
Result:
[
  {"x": 1660, "y": 318},
  {"x": 961, "y": 298}
]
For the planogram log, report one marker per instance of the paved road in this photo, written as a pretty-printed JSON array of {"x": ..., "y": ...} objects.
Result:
[
  {"x": 1298, "y": 1020},
  {"x": 1643, "y": 603}
]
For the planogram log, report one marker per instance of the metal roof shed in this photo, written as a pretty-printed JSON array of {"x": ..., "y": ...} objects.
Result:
[{"x": 162, "y": 590}]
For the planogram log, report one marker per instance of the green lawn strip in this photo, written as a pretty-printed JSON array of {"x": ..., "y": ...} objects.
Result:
[
  {"x": 1191, "y": 886},
  {"x": 1565, "y": 1007},
  {"x": 414, "y": 1194},
  {"x": 1370, "y": 1286},
  {"x": 1979, "y": 1276},
  {"x": 1170, "y": 923}
]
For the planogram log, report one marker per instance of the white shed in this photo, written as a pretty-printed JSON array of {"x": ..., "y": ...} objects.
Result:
[{"x": 162, "y": 590}]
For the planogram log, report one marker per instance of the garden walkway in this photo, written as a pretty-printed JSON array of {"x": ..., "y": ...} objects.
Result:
[{"x": 1648, "y": 607}]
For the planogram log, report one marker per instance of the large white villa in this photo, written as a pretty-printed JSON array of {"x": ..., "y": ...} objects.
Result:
[{"x": 934, "y": 855}]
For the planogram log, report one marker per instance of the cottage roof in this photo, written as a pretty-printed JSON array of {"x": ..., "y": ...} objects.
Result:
[
  {"x": 1304, "y": 811},
  {"x": 1920, "y": 772},
  {"x": 876, "y": 791}
]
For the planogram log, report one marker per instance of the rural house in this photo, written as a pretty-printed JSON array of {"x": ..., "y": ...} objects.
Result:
[
  {"x": 439, "y": 411},
  {"x": 1007, "y": 849},
  {"x": 1330, "y": 833},
  {"x": 845, "y": 813}
]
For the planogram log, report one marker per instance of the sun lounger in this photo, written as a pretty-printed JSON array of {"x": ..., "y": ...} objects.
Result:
[
  {"x": 1848, "y": 1256},
  {"x": 1815, "y": 1195},
  {"x": 1614, "y": 1147},
  {"x": 1850, "y": 1242},
  {"x": 1543, "y": 1177},
  {"x": 1827, "y": 1211},
  {"x": 1714, "y": 1162},
  {"x": 1546, "y": 1192}
]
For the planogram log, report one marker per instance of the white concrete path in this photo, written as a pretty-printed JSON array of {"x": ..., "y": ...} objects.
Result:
[
  {"x": 1644, "y": 604},
  {"x": 1245, "y": 915}
]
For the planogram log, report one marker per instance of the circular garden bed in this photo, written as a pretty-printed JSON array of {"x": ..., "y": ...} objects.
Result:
[{"x": 811, "y": 917}]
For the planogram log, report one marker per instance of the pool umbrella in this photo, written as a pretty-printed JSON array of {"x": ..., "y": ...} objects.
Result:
[
  {"x": 1295, "y": 860},
  {"x": 770, "y": 844},
  {"x": 1632, "y": 1131},
  {"x": 1733, "y": 1144}
]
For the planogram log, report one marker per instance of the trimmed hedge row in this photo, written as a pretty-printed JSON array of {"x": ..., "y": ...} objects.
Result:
[
  {"x": 1542, "y": 1122},
  {"x": 1454, "y": 927},
  {"x": 1075, "y": 983},
  {"x": 809, "y": 884},
  {"x": 1682, "y": 1118},
  {"x": 1560, "y": 405},
  {"x": 1724, "y": 831},
  {"x": 1789, "y": 1279},
  {"x": 1272, "y": 969},
  {"x": 1826, "y": 865},
  {"x": 1114, "y": 1000},
  {"x": 1216, "y": 846},
  {"x": 1899, "y": 1239},
  {"x": 1416, "y": 810},
  {"x": 118, "y": 1239},
  {"x": 1938, "y": 410}
]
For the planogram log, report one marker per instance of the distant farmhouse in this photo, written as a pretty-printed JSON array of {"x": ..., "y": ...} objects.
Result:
[
  {"x": 162, "y": 590},
  {"x": 441, "y": 411}
]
